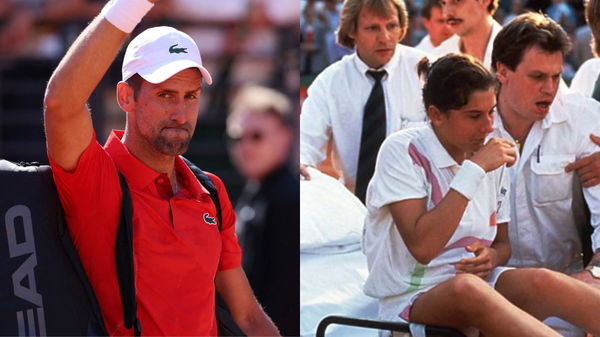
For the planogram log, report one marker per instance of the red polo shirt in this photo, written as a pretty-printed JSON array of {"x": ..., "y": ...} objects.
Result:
[{"x": 176, "y": 251}]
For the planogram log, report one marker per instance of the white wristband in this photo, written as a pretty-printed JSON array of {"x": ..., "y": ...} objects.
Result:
[
  {"x": 126, "y": 14},
  {"x": 468, "y": 179}
]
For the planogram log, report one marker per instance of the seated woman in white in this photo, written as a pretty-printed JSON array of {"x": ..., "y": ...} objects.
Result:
[{"x": 436, "y": 229}]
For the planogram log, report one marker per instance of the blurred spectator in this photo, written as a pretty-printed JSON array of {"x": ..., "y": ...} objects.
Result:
[
  {"x": 435, "y": 23},
  {"x": 516, "y": 8},
  {"x": 28, "y": 27},
  {"x": 261, "y": 127},
  {"x": 586, "y": 78},
  {"x": 582, "y": 49},
  {"x": 16, "y": 27},
  {"x": 538, "y": 5},
  {"x": 331, "y": 13},
  {"x": 561, "y": 12},
  {"x": 314, "y": 55}
]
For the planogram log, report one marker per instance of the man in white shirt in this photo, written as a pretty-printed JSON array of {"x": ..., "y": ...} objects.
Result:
[
  {"x": 588, "y": 73},
  {"x": 434, "y": 21},
  {"x": 337, "y": 97},
  {"x": 474, "y": 27},
  {"x": 550, "y": 131}
]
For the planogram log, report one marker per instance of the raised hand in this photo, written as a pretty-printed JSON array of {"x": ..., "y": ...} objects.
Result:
[{"x": 495, "y": 153}]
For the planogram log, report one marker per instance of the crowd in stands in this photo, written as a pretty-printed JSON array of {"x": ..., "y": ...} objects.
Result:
[
  {"x": 319, "y": 20},
  {"x": 241, "y": 41}
]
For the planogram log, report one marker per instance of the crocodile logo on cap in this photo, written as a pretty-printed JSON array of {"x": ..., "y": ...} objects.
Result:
[{"x": 174, "y": 50}]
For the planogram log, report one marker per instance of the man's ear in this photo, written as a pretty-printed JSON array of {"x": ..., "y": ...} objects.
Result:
[
  {"x": 426, "y": 23},
  {"x": 485, "y": 3},
  {"x": 125, "y": 96},
  {"x": 502, "y": 72},
  {"x": 403, "y": 33},
  {"x": 352, "y": 33}
]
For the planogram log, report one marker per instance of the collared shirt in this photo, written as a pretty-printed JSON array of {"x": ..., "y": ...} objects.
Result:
[
  {"x": 413, "y": 164},
  {"x": 177, "y": 250},
  {"x": 425, "y": 44},
  {"x": 336, "y": 100},
  {"x": 586, "y": 76},
  {"x": 545, "y": 221},
  {"x": 452, "y": 45}
]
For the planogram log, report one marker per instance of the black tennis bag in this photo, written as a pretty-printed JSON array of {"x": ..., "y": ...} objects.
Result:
[{"x": 43, "y": 288}]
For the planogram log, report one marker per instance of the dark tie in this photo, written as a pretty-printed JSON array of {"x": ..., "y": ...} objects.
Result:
[
  {"x": 596, "y": 92},
  {"x": 373, "y": 134}
]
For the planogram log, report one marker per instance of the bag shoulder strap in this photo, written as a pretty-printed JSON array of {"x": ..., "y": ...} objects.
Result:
[
  {"x": 124, "y": 245},
  {"x": 124, "y": 260},
  {"x": 205, "y": 181}
]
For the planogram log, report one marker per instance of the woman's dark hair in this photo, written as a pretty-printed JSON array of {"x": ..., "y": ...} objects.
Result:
[{"x": 450, "y": 81}]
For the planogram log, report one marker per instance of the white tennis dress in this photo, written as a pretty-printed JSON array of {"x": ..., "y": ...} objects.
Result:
[{"x": 413, "y": 164}]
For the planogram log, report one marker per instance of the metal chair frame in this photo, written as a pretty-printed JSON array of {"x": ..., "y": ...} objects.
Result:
[{"x": 382, "y": 325}]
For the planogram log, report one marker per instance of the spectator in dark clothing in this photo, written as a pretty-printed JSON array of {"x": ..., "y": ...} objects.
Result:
[{"x": 260, "y": 128}]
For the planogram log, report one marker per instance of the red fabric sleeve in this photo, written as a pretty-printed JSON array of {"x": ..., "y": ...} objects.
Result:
[{"x": 91, "y": 199}]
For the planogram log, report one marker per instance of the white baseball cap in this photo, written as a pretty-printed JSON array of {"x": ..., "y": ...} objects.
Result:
[{"x": 161, "y": 52}]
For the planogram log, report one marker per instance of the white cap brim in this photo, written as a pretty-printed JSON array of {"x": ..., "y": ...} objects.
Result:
[{"x": 163, "y": 72}]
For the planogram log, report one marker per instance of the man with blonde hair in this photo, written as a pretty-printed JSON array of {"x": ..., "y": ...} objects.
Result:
[{"x": 359, "y": 100}]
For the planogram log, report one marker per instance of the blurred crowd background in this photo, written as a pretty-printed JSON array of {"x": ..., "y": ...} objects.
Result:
[
  {"x": 319, "y": 19},
  {"x": 241, "y": 41}
]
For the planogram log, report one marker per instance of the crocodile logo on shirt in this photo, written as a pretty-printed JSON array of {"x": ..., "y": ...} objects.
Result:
[
  {"x": 209, "y": 220},
  {"x": 174, "y": 50}
]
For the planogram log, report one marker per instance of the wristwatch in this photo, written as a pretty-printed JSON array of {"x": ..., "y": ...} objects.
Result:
[{"x": 594, "y": 268}]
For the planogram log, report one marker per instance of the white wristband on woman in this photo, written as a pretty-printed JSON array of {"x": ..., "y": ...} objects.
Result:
[
  {"x": 468, "y": 179},
  {"x": 126, "y": 14}
]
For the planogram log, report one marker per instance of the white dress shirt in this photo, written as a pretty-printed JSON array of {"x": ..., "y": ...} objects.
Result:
[
  {"x": 545, "y": 202},
  {"x": 452, "y": 45},
  {"x": 425, "y": 44},
  {"x": 336, "y": 100},
  {"x": 413, "y": 164},
  {"x": 586, "y": 76}
]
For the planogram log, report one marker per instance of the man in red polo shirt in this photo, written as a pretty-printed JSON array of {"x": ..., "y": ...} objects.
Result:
[{"x": 180, "y": 256}]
